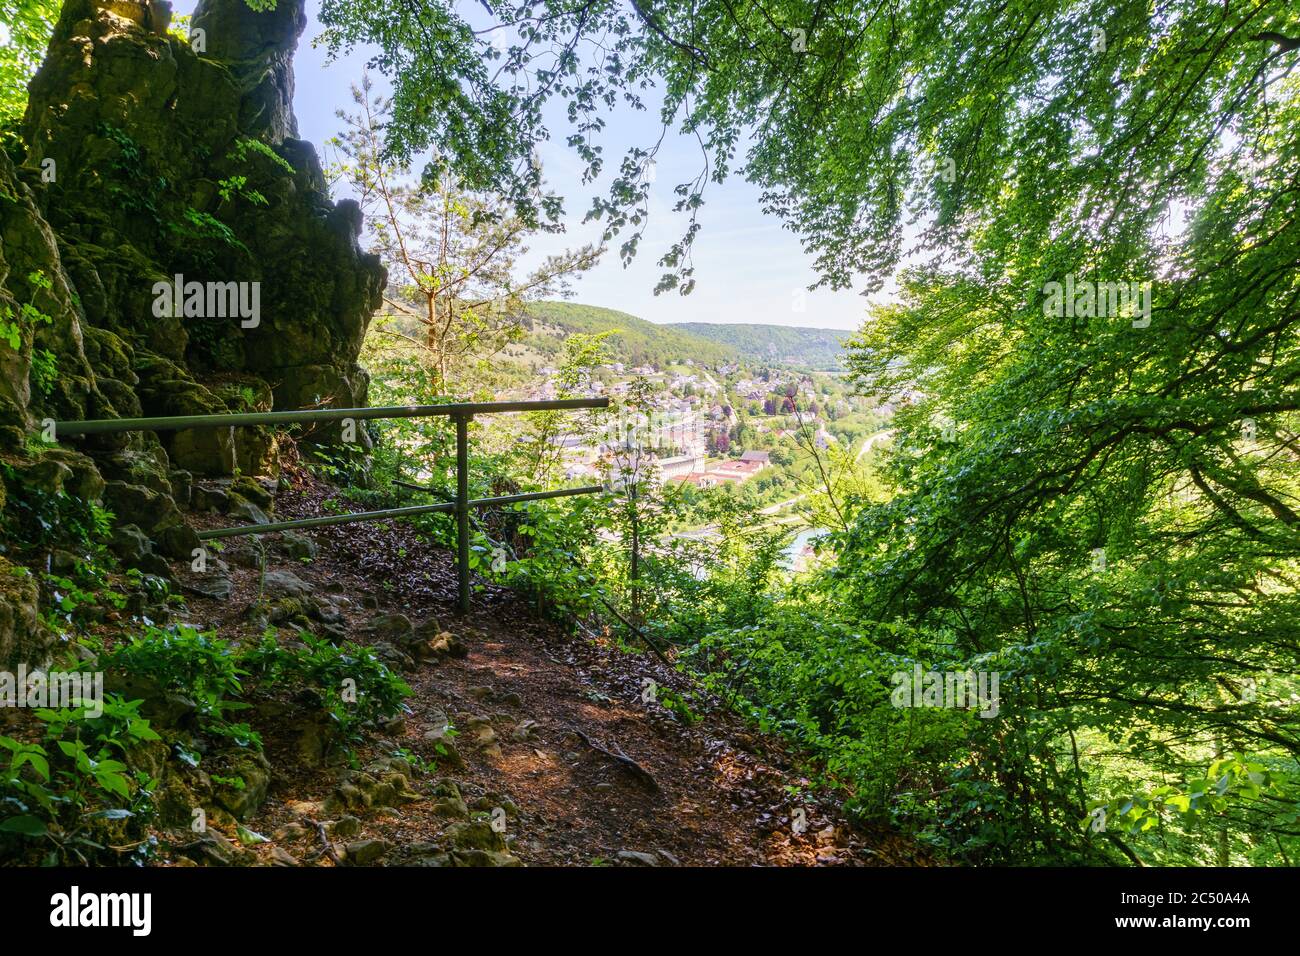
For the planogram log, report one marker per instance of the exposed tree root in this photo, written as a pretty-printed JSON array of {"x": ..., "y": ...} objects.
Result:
[{"x": 617, "y": 755}]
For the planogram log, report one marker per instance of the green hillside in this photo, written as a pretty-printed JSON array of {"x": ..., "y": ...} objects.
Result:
[
  {"x": 638, "y": 341},
  {"x": 634, "y": 341},
  {"x": 778, "y": 344}
]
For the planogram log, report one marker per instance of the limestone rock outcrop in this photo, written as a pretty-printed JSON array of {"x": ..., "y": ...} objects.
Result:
[
  {"x": 170, "y": 162},
  {"x": 151, "y": 166}
]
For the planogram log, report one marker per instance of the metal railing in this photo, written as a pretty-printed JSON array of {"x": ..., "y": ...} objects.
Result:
[{"x": 461, "y": 413}]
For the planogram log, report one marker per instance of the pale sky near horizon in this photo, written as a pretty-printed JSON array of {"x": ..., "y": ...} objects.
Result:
[{"x": 748, "y": 268}]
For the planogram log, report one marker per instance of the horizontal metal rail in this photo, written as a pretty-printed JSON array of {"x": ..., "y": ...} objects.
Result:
[
  {"x": 445, "y": 507},
  {"x": 109, "y": 426},
  {"x": 460, "y": 412},
  {"x": 245, "y": 529}
]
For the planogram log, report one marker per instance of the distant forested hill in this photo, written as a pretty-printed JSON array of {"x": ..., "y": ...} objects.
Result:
[
  {"x": 634, "y": 341},
  {"x": 816, "y": 348},
  {"x": 637, "y": 341}
]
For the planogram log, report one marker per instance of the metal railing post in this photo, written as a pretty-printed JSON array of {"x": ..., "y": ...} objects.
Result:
[
  {"x": 461, "y": 412},
  {"x": 462, "y": 512}
]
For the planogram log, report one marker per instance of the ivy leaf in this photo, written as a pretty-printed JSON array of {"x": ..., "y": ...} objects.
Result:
[{"x": 26, "y": 825}]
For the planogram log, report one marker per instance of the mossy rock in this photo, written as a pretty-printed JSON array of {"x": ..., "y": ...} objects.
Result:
[
  {"x": 242, "y": 393},
  {"x": 148, "y": 467},
  {"x": 141, "y": 129},
  {"x": 154, "y": 512},
  {"x": 23, "y": 638},
  {"x": 246, "y": 487},
  {"x": 253, "y": 769},
  {"x": 45, "y": 475},
  {"x": 451, "y": 807},
  {"x": 85, "y": 481},
  {"x": 475, "y": 835}
]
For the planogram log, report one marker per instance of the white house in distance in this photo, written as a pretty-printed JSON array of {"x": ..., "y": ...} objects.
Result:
[{"x": 681, "y": 465}]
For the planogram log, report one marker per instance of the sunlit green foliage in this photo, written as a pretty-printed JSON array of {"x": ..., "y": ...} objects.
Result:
[
  {"x": 1101, "y": 504},
  {"x": 25, "y": 28}
]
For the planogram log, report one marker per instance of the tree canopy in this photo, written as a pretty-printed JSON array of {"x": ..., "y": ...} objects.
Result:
[
  {"x": 26, "y": 26},
  {"x": 852, "y": 118},
  {"x": 1096, "y": 483}
]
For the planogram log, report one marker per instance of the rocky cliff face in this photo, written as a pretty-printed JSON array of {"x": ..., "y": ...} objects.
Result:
[
  {"x": 173, "y": 162},
  {"x": 154, "y": 164}
]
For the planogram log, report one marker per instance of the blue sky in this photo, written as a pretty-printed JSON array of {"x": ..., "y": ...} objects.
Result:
[{"x": 747, "y": 267}]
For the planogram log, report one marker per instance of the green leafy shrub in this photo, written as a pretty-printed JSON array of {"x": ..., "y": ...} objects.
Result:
[
  {"x": 195, "y": 664},
  {"x": 74, "y": 789},
  {"x": 42, "y": 519},
  {"x": 826, "y": 685},
  {"x": 349, "y": 682},
  {"x": 131, "y": 184},
  {"x": 245, "y": 147},
  {"x": 548, "y": 564},
  {"x": 44, "y": 370},
  {"x": 74, "y": 599},
  {"x": 202, "y": 227}
]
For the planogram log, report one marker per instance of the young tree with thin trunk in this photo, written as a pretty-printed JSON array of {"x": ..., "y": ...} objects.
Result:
[{"x": 456, "y": 290}]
